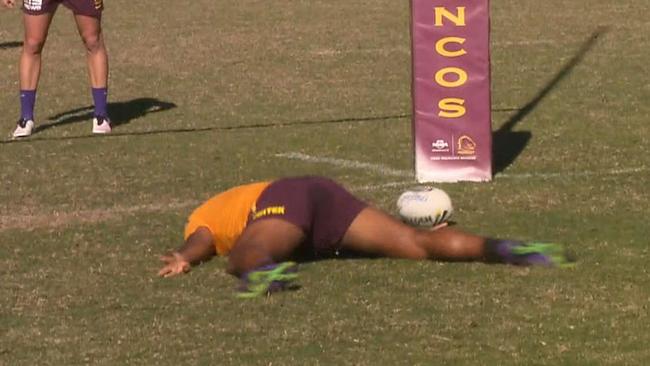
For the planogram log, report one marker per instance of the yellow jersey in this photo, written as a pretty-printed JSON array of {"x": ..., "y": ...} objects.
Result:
[{"x": 226, "y": 215}]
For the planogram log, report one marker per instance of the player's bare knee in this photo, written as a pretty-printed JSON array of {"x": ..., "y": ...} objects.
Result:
[
  {"x": 93, "y": 43},
  {"x": 455, "y": 250},
  {"x": 33, "y": 46}
]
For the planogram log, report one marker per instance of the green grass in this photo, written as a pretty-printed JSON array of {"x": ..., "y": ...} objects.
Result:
[{"x": 83, "y": 218}]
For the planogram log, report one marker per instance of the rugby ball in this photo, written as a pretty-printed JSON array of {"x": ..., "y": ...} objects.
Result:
[{"x": 425, "y": 206}]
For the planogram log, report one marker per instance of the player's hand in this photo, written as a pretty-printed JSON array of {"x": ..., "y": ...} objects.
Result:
[
  {"x": 175, "y": 264},
  {"x": 9, "y": 3}
]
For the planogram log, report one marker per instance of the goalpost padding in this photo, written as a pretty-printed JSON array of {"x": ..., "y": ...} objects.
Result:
[{"x": 452, "y": 132}]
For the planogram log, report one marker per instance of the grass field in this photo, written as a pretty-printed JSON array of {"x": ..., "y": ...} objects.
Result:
[{"x": 209, "y": 93}]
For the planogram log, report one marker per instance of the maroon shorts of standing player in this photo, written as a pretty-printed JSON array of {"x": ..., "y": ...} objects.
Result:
[
  {"x": 319, "y": 206},
  {"x": 91, "y": 8}
]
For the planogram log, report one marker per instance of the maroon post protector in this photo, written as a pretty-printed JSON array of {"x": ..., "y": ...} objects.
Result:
[{"x": 452, "y": 129}]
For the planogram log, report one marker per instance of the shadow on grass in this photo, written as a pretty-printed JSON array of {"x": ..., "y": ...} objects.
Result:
[
  {"x": 212, "y": 128},
  {"x": 8, "y": 45},
  {"x": 508, "y": 144},
  {"x": 305, "y": 253},
  {"x": 121, "y": 113}
]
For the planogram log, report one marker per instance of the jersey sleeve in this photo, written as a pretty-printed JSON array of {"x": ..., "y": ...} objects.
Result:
[{"x": 193, "y": 223}]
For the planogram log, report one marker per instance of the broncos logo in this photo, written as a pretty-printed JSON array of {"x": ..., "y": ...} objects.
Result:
[{"x": 466, "y": 146}]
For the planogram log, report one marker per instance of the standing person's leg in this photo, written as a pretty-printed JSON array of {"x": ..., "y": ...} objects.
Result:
[
  {"x": 36, "y": 26},
  {"x": 90, "y": 29}
]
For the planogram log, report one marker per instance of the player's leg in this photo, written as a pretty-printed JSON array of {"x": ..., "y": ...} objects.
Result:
[
  {"x": 259, "y": 257},
  {"x": 36, "y": 29},
  {"x": 262, "y": 243},
  {"x": 279, "y": 223},
  {"x": 90, "y": 30},
  {"x": 376, "y": 232},
  {"x": 36, "y": 24}
]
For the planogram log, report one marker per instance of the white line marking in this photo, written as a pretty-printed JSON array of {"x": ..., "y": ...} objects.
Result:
[
  {"x": 54, "y": 219},
  {"x": 375, "y": 187},
  {"x": 384, "y": 170},
  {"x": 325, "y": 52},
  {"x": 57, "y": 219},
  {"x": 600, "y": 173},
  {"x": 343, "y": 163}
]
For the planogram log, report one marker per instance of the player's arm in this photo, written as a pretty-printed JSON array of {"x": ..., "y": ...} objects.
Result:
[{"x": 198, "y": 247}]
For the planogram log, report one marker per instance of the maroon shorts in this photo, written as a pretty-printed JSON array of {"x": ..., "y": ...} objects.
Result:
[
  {"x": 319, "y": 206},
  {"x": 92, "y": 8}
]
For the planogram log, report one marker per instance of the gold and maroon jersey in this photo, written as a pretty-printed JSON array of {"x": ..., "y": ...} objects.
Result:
[{"x": 226, "y": 215}]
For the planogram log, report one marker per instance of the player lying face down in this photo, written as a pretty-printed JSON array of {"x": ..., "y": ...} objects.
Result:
[{"x": 261, "y": 226}]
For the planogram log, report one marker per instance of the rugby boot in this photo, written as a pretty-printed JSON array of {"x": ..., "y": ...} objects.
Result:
[
  {"x": 24, "y": 128},
  {"x": 267, "y": 279},
  {"x": 101, "y": 125}
]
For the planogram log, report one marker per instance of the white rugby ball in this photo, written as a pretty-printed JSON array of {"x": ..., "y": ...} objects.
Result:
[{"x": 425, "y": 206}]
